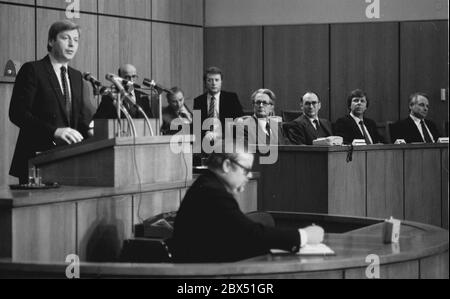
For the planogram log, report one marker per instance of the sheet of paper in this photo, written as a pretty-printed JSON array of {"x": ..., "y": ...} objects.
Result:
[{"x": 319, "y": 249}]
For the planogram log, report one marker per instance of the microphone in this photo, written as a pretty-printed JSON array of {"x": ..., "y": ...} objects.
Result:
[
  {"x": 88, "y": 77},
  {"x": 153, "y": 84},
  {"x": 117, "y": 81},
  {"x": 123, "y": 81}
]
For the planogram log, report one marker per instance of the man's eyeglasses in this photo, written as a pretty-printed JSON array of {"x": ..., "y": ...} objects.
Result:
[
  {"x": 265, "y": 104},
  {"x": 134, "y": 77},
  {"x": 310, "y": 103},
  {"x": 245, "y": 169}
]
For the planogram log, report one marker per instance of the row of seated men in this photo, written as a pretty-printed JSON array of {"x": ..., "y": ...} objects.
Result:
[
  {"x": 216, "y": 103},
  {"x": 51, "y": 107}
]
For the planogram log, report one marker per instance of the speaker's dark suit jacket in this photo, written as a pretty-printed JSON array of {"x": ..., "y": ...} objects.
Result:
[
  {"x": 301, "y": 130},
  {"x": 406, "y": 129},
  {"x": 107, "y": 110},
  {"x": 210, "y": 227},
  {"x": 230, "y": 107},
  {"x": 37, "y": 108},
  {"x": 349, "y": 129}
]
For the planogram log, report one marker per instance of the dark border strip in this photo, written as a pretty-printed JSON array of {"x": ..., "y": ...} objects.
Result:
[{"x": 18, "y": 4}]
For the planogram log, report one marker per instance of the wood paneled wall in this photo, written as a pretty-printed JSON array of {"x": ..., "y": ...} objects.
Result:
[
  {"x": 162, "y": 38},
  {"x": 388, "y": 60}
]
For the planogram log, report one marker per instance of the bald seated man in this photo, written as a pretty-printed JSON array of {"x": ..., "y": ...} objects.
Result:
[
  {"x": 308, "y": 127},
  {"x": 211, "y": 228},
  {"x": 416, "y": 128},
  {"x": 107, "y": 110}
]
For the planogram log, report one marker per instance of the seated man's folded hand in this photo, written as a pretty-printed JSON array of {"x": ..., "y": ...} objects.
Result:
[{"x": 315, "y": 234}]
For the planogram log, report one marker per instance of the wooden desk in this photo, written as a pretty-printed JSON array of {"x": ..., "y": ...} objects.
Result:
[
  {"x": 47, "y": 225},
  {"x": 405, "y": 181},
  {"x": 421, "y": 253}
]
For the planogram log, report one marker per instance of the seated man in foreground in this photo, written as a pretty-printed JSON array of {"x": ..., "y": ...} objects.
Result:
[{"x": 210, "y": 227}]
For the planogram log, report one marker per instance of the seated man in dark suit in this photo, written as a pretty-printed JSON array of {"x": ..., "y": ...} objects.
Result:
[
  {"x": 355, "y": 125},
  {"x": 216, "y": 103},
  {"x": 263, "y": 127},
  {"x": 416, "y": 128},
  {"x": 176, "y": 110},
  {"x": 308, "y": 126},
  {"x": 210, "y": 227},
  {"x": 107, "y": 110},
  {"x": 50, "y": 102}
]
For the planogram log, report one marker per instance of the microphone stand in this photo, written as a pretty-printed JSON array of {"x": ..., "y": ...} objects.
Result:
[{"x": 142, "y": 112}]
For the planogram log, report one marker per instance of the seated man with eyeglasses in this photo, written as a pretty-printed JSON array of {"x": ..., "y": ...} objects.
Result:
[
  {"x": 210, "y": 227},
  {"x": 107, "y": 110},
  {"x": 308, "y": 127},
  {"x": 263, "y": 127}
]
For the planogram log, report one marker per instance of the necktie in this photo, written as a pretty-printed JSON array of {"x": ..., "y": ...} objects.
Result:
[
  {"x": 212, "y": 108},
  {"x": 366, "y": 137},
  {"x": 426, "y": 136},
  {"x": 268, "y": 132},
  {"x": 316, "y": 122},
  {"x": 67, "y": 96}
]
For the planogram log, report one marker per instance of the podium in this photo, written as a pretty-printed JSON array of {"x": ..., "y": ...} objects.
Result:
[{"x": 117, "y": 162}]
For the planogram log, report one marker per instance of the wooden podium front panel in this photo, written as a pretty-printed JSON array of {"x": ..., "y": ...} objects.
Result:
[
  {"x": 347, "y": 184},
  {"x": 423, "y": 186},
  {"x": 44, "y": 233},
  {"x": 90, "y": 169},
  {"x": 102, "y": 226},
  {"x": 385, "y": 184},
  {"x": 287, "y": 184},
  {"x": 150, "y": 164}
]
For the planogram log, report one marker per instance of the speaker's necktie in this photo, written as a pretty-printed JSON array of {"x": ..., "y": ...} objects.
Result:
[{"x": 67, "y": 96}]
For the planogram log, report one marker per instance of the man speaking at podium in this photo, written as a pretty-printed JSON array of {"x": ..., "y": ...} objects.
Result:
[
  {"x": 210, "y": 227},
  {"x": 49, "y": 102}
]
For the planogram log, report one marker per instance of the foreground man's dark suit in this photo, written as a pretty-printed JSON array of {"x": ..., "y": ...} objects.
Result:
[
  {"x": 210, "y": 227},
  {"x": 349, "y": 130},
  {"x": 37, "y": 108}
]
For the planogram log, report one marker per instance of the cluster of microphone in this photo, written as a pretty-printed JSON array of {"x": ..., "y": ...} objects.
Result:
[{"x": 121, "y": 84}]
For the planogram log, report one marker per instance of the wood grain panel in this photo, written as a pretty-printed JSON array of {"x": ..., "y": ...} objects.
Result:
[
  {"x": 365, "y": 56},
  {"x": 44, "y": 233},
  {"x": 85, "y": 5},
  {"x": 124, "y": 41},
  {"x": 385, "y": 184},
  {"x": 406, "y": 270},
  {"x": 126, "y": 8},
  {"x": 444, "y": 188},
  {"x": 8, "y": 135},
  {"x": 86, "y": 57},
  {"x": 297, "y": 182},
  {"x": 102, "y": 225},
  {"x": 424, "y": 65},
  {"x": 238, "y": 52},
  {"x": 151, "y": 204},
  {"x": 296, "y": 60},
  {"x": 423, "y": 186},
  {"x": 29, "y": 2},
  {"x": 177, "y": 55},
  {"x": 434, "y": 267},
  {"x": 178, "y": 11},
  {"x": 17, "y": 33},
  {"x": 347, "y": 184}
]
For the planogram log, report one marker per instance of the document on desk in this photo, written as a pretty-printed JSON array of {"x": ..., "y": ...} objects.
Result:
[{"x": 308, "y": 249}]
